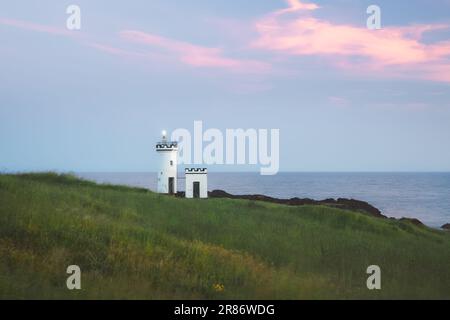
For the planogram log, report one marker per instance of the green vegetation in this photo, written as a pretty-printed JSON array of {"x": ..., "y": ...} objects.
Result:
[{"x": 132, "y": 243}]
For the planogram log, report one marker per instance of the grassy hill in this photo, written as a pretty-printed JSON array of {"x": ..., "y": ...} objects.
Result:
[{"x": 132, "y": 243}]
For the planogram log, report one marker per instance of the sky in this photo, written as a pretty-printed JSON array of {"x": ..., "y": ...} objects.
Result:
[{"x": 345, "y": 98}]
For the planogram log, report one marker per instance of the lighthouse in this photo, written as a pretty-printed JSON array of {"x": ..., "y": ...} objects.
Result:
[{"x": 167, "y": 172}]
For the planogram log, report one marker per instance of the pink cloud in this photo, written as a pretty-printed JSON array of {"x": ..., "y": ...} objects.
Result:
[
  {"x": 195, "y": 55},
  {"x": 117, "y": 51},
  {"x": 186, "y": 53},
  {"x": 296, "y": 5},
  {"x": 145, "y": 59},
  {"x": 25, "y": 25},
  {"x": 392, "y": 50}
]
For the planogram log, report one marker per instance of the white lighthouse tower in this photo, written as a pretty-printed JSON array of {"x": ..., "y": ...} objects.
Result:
[{"x": 167, "y": 174}]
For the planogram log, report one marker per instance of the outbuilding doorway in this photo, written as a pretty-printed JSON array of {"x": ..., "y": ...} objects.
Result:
[
  {"x": 171, "y": 185},
  {"x": 196, "y": 189}
]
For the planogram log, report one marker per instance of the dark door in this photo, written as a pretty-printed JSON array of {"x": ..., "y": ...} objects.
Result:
[
  {"x": 196, "y": 189},
  {"x": 171, "y": 187}
]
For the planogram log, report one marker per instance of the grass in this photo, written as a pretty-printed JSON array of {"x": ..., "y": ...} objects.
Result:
[{"x": 134, "y": 244}]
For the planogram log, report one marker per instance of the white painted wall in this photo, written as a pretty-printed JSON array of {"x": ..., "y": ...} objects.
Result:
[
  {"x": 168, "y": 162},
  {"x": 196, "y": 176}
]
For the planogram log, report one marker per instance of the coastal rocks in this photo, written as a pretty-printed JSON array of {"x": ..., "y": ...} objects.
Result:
[
  {"x": 341, "y": 203},
  {"x": 446, "y": 226},
  {"x": 414, "y": 221},
  {"x": 347, "y": 204},
  {"x": 357, "y": 205}
]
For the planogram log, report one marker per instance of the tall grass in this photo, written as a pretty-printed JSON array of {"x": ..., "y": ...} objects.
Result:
[{"x": 134, "y": 244}]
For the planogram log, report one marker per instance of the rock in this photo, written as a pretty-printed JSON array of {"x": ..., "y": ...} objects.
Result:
[
  {"x": 356, "y": 205},
  {"x": 342, "y": 203},
  {"x": 414, "y": 221},
  {"x": 347, "y": 204},
  {"x": 219, "y": 194},
  {"x": 446, "y": 226}
]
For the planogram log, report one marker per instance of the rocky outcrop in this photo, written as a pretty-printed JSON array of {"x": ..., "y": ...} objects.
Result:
[
  {"x": 446, "y": 226},
  {"x": 414, "y": 221},
  {"x": 341, "y": 203},
  {"x": 347, "y": 204}
]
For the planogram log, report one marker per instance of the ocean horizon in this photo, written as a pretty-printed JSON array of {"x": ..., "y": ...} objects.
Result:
[{"x": 421, "y": 195}]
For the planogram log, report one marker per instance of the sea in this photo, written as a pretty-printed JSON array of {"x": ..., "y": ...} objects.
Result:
[{"x": 425, "y": 196}]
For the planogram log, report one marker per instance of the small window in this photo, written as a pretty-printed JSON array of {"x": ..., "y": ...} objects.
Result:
[{"x": 171, "y": 162}]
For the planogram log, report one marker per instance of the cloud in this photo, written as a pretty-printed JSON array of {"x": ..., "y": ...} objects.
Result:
[
  {"x": 115, "y": 51},
  {"x": 296, "y": 5},
  {"x": 195, "y": 55},
  {"x": 35, "y": 27},
  {"x": 25, "y": 25},
  {"x": 391, "y": 51},
  {"x": 338, "y": 101},
  {"x": 286, "y": 34},
  {"x": 189, "y": 54}
]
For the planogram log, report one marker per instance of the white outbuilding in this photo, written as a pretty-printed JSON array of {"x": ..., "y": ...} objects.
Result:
[
  {"x": 168, "y": 162},
  {"x": 196, "y": 182}
]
